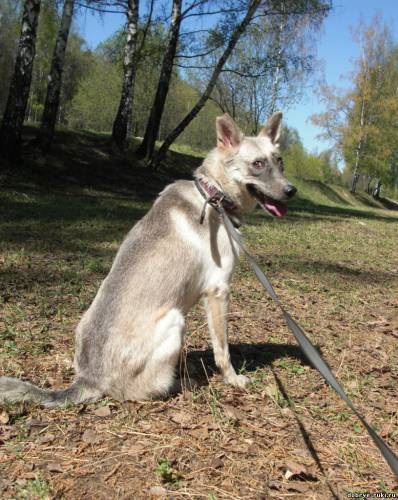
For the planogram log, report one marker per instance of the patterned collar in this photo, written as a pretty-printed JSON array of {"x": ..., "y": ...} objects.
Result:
[{"x": 216, "y": 198}]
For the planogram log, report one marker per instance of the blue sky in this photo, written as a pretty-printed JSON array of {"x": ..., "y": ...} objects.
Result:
[{"x": 336, "y": 50}]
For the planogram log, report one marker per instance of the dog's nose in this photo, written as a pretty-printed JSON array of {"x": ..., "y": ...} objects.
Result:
[{"x": 290, "y": 190}]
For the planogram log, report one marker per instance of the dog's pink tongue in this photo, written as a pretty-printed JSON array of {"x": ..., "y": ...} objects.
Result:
[{"x": 276, "y": 209}]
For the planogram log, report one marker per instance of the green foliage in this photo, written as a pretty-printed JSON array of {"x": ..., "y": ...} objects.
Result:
[
  {"x": 302, "y": 164},
  {"x": 165, "y": 472},
  {"x": 37, "y": 489},
  {"x": 95, "y": 103},
  {"x": 362, "y": 121},
  {"x": 91, "y": 83},
  {"x": 373, "y": 114}
]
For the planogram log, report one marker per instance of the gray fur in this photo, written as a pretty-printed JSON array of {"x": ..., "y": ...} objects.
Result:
[{"x": 129, "y": 340}]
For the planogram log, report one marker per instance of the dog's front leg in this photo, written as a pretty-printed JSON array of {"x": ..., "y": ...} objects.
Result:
[{"x": 216, "y": 304}]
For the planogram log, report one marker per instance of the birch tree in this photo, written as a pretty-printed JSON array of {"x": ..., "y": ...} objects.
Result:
[
  {"x": 252, "y": 20},
  {"x": 120, "y": 125},
  {"x": 147, "y": 146},
  {"x": 55, "y": 79},
  {"x": 9, "y": 35},
  {"x": 233, "y": 40},
  {"x": 360, "y": 121},
  {"x": 11, "y": 129},
  {"x": 271, "y": 63}
]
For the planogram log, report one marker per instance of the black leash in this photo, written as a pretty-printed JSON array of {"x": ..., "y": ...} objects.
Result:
[{"x": 309, "y": 350}]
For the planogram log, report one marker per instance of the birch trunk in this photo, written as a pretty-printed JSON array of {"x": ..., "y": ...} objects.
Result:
[
  {"x": 239, "y": 30},
  {"x": 51, "y": 106},
  {"x": 14, "y": 114},
  {"x": 277, "y": 74},
  {"x": 147, "y": 146},
  {"x": 120, "y": 125},
  {"x": 358, "y": 151}
]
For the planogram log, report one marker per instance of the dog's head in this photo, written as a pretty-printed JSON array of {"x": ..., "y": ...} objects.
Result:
[{"x": 254, "y": 166}]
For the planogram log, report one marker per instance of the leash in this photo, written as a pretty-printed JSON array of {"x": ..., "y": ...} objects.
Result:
[{"x": 309, "y": 350}]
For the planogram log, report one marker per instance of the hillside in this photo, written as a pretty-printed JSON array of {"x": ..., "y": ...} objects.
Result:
[
  {"x": 332, "y": 260},
  {"x": 85, "y": 161}
]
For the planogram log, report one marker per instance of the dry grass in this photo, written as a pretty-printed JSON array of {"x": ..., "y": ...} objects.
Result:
[{"x": 287, "y": 436}]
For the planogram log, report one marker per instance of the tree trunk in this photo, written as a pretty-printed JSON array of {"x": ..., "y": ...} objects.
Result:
[
  {"x": 14, "y": 114},
  {"x": 277, "y": 73},
  {"x": 147, "y": 146},
  {"x": 361, "y": 140},
  {"x": 355, "y": 179},
  {"x": 51, "y": 106},
  {"x": 254, "y": 4},
  {"x": 376, "y": 191},
  {"x": 355, "y": 176},
  {"x": 120, "y": 125},
  {"x": 368, "y": 188}
]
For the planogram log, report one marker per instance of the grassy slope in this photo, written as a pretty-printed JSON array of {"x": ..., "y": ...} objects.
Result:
[{"x": 333, "y": 260}]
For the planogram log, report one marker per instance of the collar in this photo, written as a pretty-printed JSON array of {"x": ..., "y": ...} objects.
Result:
[{"x": 217, "y": 199}]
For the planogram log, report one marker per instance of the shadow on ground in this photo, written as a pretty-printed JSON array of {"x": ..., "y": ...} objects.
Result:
[
  {"x": 321, "y": 268},
  {"x": 87, "y": 161},
  {"x": 249, "y": 357},
  {"x": 389, "y": 204},
  {"x": 303, "y": 210}
]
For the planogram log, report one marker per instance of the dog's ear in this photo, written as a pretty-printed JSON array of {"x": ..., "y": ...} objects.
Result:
[
  {"x": 273, "y": 128},
  {"x": 228, "y": 134}
]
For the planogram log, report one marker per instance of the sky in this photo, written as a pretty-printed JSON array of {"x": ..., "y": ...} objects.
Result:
[{"x": 335, "y": 49}]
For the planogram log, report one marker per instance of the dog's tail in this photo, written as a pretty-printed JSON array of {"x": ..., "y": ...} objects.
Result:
[{"x": 13, "y": 390}]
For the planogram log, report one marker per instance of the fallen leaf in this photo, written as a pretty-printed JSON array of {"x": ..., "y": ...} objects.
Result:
[
  {"x": 7, "y": 432},
  {"x": 201, "y": 432},
  {"x": 233, "y": 413},
  {"x": 181, "y": 418},
  {"x": 297, "y": 471},
  {"x": 4, "y": 417},
  {"x": 275, "y": 485},
  {"x": 54, "y": 467},
  {"x": 157, "y": 491},
  {"x": 298, "y": 486},
  {"x": 385, "y": 430},
  {"x": 103, "y": 411},
  {"x": 91, "y": 437},
  {"x": 208, "y": 421},
  {"x": 217, "y": 463},
  {"x": 227, "y": 484},
  {"x": 46, "y": 438},
  {"x": 29, "y": 475},
  {"x": 35, "y": 425}
]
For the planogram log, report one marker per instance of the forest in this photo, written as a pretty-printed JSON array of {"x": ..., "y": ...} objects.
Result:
[{"x": 174, "y": 67}]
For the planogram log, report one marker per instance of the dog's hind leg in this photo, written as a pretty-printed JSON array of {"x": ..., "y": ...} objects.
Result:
[
  {"x": 158, "y": 377},
  {"x": 216, "y": 304}
]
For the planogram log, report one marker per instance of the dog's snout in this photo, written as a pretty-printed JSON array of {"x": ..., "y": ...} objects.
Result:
[{"x": 290, "y": 190}]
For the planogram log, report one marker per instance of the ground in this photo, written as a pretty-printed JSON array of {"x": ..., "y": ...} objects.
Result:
[{"x": 333, "y": 261}]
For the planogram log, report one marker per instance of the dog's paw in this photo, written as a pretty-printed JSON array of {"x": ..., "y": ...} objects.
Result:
[{"x": 238, "y": 381}]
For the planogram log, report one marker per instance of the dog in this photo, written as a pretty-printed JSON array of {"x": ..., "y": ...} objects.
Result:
[{"x": 129, "y": 341}]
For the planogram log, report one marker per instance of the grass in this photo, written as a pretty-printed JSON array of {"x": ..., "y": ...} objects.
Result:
[
  {"x": 332, "y": 260},
  {"x": 35, "y": 489}
]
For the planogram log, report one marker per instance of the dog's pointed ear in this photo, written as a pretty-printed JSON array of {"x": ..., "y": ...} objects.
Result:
[
  {"x": 273, "y": 128},
  {"x": 228, "y": 134}
]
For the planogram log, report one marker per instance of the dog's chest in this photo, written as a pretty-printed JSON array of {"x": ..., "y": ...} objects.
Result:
[{"x": 214, "y": 257}]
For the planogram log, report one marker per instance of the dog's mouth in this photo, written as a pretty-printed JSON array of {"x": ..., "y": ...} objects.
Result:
[{"x": 276, "y": 208}]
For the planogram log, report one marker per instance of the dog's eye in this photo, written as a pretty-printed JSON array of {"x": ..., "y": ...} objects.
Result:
[{"x": 258, "y": 164}]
